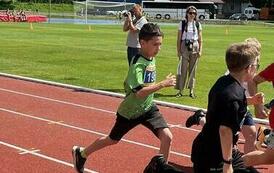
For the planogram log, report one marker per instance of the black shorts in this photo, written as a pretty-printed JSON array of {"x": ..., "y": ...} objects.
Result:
[
  {"x": 237, "y": 164},
  {"x": 248, "y": 120},
  {"x": 152, "y": 119}
]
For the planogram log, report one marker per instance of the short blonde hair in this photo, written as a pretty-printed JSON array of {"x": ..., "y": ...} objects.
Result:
[{"x": 255, "y": 42}]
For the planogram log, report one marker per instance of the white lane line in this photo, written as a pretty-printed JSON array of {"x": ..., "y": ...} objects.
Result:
[
  {"x": 82, "y": 106},
  {"x": 32, "y": 150},
  {"x": 55, "y": 122},
  {"x": 58, "y": 101},
  {"x": 42, "y": 156},
  {"x": 87, "y": 130},
  {"x": 91, "y": 108}
]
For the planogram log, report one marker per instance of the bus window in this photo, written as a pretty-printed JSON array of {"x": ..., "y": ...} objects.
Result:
[{"x": 176, "y": 9}]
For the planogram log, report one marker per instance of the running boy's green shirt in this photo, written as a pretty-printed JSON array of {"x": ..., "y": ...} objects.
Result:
[{"x": 140, "y": 74}]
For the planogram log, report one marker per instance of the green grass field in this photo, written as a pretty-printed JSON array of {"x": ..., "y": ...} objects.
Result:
[{"x": 96, "y": 58}]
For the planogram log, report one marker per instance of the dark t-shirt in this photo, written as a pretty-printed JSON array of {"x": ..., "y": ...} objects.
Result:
[{"x": 227, "y": 106}]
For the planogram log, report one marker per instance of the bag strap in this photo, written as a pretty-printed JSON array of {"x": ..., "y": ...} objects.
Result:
[
  {"x": 184, "y": 22},
  {"x": 197, "y": 25}
]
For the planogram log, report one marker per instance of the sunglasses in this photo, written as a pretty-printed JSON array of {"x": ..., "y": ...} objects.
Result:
[{"x": 191, "y": 13}]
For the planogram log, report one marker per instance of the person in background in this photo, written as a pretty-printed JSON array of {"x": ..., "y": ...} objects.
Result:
[
  {"x": 134, "y": 21},
  {"x": 8, "y": 13},
  {"x": 138, "y": 106},
  {"x": 22, "y": 15},
  {"x": 189, "y": 49}
]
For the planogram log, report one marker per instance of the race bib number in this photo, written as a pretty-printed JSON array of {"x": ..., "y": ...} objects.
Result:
[{"x": 149, "y": 75}]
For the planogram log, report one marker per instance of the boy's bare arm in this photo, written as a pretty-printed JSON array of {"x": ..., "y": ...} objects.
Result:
[
  {"x": 256, "y": 99},
  {"x": 253, "y": 89},
  {"x": 168, "y": 82},
  {"x": 226, "y": 144}
]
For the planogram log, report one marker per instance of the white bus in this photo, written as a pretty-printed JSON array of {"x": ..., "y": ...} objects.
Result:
[{"x": 177, "y": 9}]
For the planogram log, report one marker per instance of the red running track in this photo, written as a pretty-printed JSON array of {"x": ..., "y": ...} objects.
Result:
[{"x": 40, "y": 124}]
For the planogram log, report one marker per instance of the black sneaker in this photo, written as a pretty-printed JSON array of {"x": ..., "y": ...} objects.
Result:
[
  {"x": 78, "y": 160},
  {"x": 195, "y": 118},
  {"x": 155, "y": 164}
]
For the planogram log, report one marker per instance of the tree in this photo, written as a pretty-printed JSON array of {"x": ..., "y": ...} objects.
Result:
[
  {"x": 261, "y": 3},
  {"x": 6, "y": 0}
]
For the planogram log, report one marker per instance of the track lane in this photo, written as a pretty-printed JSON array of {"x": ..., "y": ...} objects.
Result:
[
  {"x": 59, "y": 141},
  {"x": 87, "y": 99}
]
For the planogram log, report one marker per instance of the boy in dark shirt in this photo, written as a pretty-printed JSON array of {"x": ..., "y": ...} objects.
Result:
[{"x": 213, "y": 149}]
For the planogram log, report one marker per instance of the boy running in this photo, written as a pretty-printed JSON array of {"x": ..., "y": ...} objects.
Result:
[
  {"x": 138, "y": 106},
  {"x": 248, "y": 129},
  {"x": 213, "y": 149}
]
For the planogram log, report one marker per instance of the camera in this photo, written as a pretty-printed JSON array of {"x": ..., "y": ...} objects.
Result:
[
  {"x": 189, "y": 45},
  {"x": 125, "y": 13}
]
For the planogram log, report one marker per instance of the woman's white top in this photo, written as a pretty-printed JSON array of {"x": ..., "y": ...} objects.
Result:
[{"x": 192, "y": 31}]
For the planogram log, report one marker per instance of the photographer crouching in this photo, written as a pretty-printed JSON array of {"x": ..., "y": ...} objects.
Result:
[{"x": 134, "y": 21}]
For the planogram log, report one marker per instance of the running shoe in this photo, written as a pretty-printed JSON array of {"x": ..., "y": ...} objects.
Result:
[
  {"x": 195, "y": 118},
  {"x": 78, "y": 160},
  {"x": 155, "y": 164},
  {"x": 262, "y": 133}
]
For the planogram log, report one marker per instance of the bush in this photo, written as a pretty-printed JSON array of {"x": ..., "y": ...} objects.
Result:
[
  {"x": 4, "y": 5},
  {"x": 44, "y": 7}
]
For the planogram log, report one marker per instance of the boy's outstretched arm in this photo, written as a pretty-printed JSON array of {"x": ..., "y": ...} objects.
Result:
[
  {"x": 253, "y": 89},
  {"x": 256, "y": 99},
  {"x": 226, "y": 144},
  {"x": 168, "y": 82}
]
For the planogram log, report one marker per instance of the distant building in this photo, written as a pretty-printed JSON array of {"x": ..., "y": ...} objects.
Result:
[
  {"x": 225, "y": 8},
  {"x": 232, "y": 6}
]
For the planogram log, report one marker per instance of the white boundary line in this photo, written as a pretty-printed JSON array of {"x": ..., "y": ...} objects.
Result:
[
  {"x": 57, "y": 101},
  {"x": 42, "y": 156},
  {"x": 88, "y": 131},
  {"x": 180, "y": 126},
  {"x": 162, "y": 103},
  {"x": 83, "y": 106}
]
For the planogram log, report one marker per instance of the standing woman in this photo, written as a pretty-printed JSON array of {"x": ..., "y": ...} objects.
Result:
[{"x": 189, "y": 49}]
